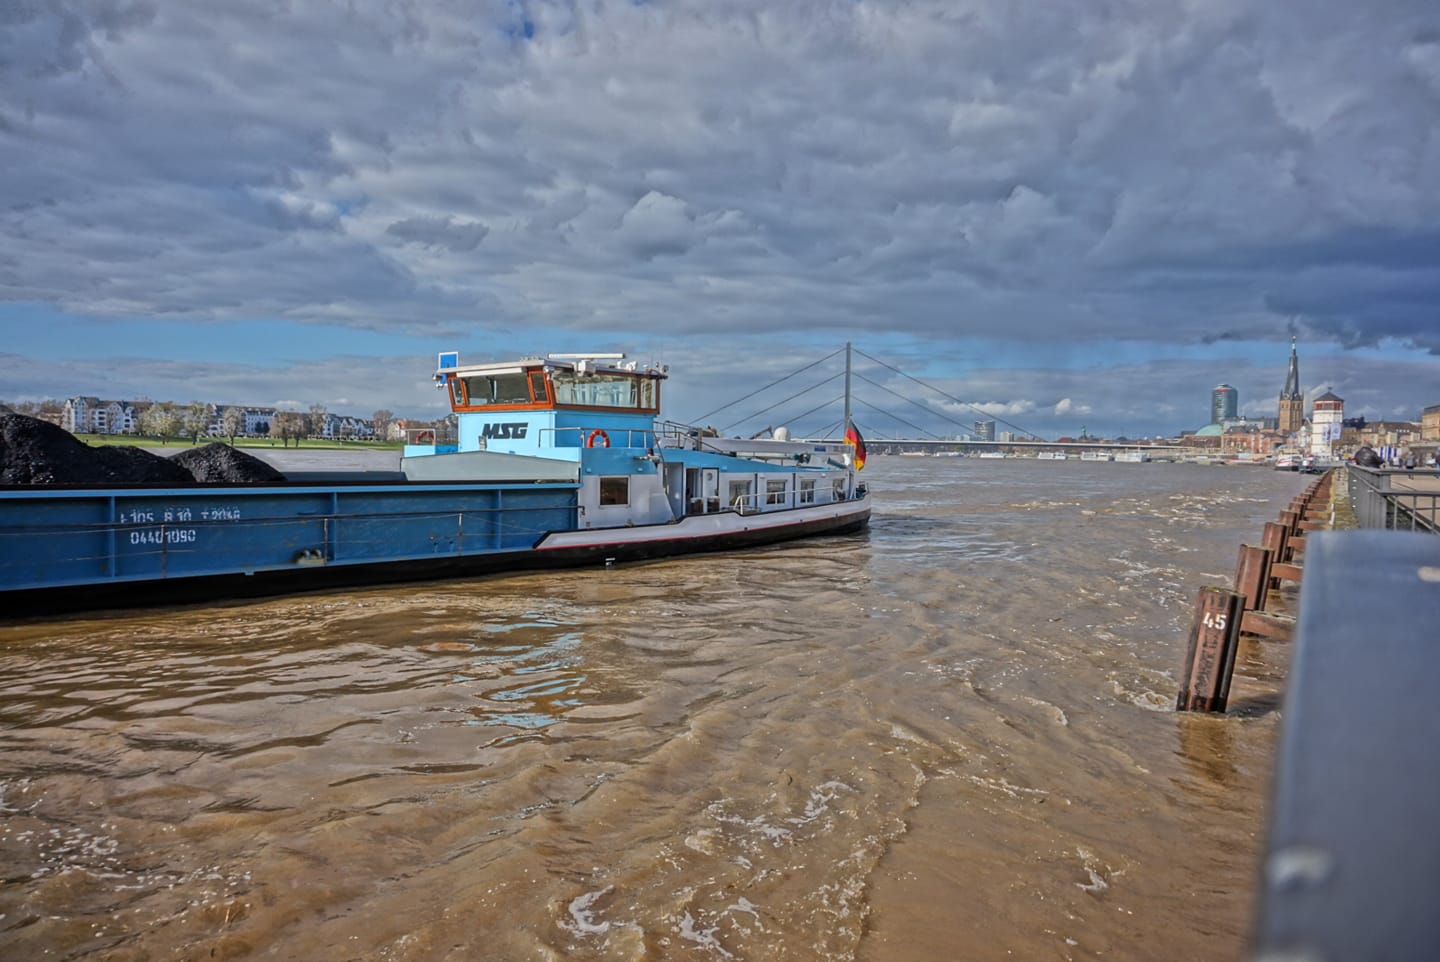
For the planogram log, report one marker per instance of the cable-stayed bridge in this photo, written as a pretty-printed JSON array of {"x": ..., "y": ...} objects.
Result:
[{"x": 1029, "y": 447}]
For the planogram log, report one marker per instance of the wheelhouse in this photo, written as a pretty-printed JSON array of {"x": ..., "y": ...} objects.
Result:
[{"x": 553, "y": 383}]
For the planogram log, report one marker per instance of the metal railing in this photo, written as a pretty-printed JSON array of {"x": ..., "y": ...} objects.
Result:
[
  {"x": 1395, "y": 500},
  {"x": 1350, "y": 861}
]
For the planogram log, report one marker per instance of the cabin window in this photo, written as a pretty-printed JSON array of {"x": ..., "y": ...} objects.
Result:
[
  {"x": 537, "y": 387},
  {"x": 838, "y": 494},
  {"x": 774, "y": 492},
  {"x": 496, "y": 389},
  {"x": 740, "y": 494},
  {"x": 807, "y": 490},
  {"x": 603, "y": 390},
  {"x": 614, "y": 490}
]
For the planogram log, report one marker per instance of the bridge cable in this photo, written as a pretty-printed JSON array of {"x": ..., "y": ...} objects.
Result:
[
  {"x": 926, "y": 408},
  {"x": 964, "y": 404},
  {"x": 787, "y": 377},
  {"x": 787, "y": 400},
  {"x": 896, "y": 417}
]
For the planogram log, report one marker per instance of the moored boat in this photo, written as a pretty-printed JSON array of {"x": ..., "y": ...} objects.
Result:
[
  {"x": 558, "y": 461},
  {"x": 1287, "y": 462}
]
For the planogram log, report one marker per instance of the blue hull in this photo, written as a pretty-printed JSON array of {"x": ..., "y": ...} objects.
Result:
[
  {"x": 113, "y": 541},
  {"x": 68, "y": 550}
]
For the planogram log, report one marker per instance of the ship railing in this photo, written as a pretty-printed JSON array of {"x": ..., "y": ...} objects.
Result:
[
  {"x": 746, "y": 504},
  {"x": 603, "y": 437},
  {"x": 760, "y": 502},
  {"x": 672, "y": 434},
  {"x": 1395, "y": 500}
]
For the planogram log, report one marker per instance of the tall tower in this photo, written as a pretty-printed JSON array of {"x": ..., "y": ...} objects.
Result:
[
  {"x": 1326, "y": 423},
  {"x": 1224, "y": 403},
  {"x": 1292, "y": 399}
]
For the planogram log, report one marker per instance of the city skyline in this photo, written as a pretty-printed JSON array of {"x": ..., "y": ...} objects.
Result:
[
  {"x": 1223, "y": 411},
  {"x": 1070, "y": 218}
]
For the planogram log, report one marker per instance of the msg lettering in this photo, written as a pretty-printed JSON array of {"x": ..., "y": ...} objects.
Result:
[{"x": 163, "y": 536}]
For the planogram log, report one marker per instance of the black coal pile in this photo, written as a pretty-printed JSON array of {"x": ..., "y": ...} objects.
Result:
[
  {"x": 38, "y": 452},
  {"x": 127, "y": 465},
  {"x": 220, "y": 462}
]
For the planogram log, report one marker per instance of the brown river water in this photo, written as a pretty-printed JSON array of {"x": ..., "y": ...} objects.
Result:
[{"x": 952, "y": 737}]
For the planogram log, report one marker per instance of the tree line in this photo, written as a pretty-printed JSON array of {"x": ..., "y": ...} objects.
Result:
[{"x": 166, "y": 420}]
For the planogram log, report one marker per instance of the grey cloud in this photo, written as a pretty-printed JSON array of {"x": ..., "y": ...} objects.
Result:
[
  {"x": 439, "y": 232},
  {"x": 1156, "y": 172}
]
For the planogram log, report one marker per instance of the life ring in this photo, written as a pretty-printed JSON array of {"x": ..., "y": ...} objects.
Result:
[{"x": 600, "y": 435}]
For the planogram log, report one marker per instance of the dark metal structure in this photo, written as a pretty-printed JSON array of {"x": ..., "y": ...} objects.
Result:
[{"x": 1353, "y": 855}]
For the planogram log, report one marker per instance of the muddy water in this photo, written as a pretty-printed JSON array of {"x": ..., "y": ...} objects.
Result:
[{"x": 950, "y": 738}]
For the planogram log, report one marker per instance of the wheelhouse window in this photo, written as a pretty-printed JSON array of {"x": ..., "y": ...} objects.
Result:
[
  {"x": 807, "y": 490},
  {"x": 604, "y": 390},
  {"x": 479, "y": 390},
  {"x": 775, "y": 492},
  {"x": 614, "y": 490}
]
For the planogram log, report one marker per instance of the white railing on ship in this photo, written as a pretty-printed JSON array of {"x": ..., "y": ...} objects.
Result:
[{"x": 628, "y": 438}]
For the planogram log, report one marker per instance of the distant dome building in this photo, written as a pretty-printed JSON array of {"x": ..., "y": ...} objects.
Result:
[{"x": 1326, "y": 422}]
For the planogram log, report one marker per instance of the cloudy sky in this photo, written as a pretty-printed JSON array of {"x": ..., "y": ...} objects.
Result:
[{"x": 1082, "y": 213}]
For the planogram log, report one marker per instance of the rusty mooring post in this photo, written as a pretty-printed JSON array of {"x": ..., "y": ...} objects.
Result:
[
  {"x": 1205, "y": 684},
  {"x": 1252, "y": 576},
  {"x": 1291, "y": 520},
  {"x": 1277, "y": 539}
]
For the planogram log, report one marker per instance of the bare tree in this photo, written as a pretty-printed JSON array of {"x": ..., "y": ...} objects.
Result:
[
  {"x": 287, "y": 425},
  {"x": 315, "y": 425},
  {"x": 233, "y": 421},
  {"x": 381, "y": 420},
  {"x": 35, "y": 408}
]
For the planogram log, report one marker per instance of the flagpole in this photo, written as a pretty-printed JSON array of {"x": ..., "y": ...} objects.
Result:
[{"x": 846, "y": 427}]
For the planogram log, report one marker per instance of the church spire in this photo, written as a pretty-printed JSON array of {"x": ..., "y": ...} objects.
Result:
[
  {"x": 1292, "y": 399},
  {"x": 1292, "y": 377}
]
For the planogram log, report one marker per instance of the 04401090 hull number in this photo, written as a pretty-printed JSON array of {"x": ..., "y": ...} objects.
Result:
[{"x": 163, "y": 536}]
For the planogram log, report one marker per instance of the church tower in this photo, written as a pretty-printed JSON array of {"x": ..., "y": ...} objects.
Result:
[{"x": 1292, "y": 399}]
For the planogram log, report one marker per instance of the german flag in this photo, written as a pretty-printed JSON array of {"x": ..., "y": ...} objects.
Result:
[{"x": 853, "y": 438}]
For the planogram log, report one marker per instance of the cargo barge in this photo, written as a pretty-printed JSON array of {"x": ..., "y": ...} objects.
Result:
[{"x": 558, "y": 461}]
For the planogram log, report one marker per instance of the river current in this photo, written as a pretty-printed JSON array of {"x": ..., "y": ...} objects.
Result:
[{"x": 952, "y": 737}]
